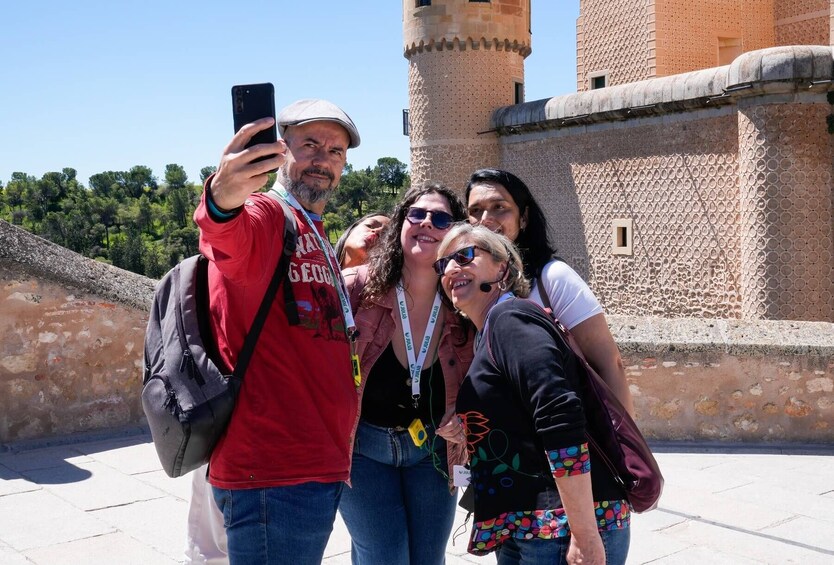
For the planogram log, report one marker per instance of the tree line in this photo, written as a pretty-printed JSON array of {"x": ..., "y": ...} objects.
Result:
[{"x": 133, "y": 220}]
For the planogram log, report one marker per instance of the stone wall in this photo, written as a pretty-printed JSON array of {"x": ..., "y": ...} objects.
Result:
[
  {"x": 800, "y": 22},
  {"x": 730, "y": 380},
  {"x": 71, "y": 340},
  {"x": 634, "y": 40},
  {"x": 725, "y": 174},
  {"x": 71, "y": 359},
  {"x": 464, "y": 60}
]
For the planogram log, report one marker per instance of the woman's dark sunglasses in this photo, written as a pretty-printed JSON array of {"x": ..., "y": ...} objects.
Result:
[
  {"x": 439, "y": 219},
  {"x": 461, "y": 256}
]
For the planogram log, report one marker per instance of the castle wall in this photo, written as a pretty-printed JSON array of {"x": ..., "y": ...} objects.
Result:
[
  {"x": 633, "y": 40},
  {"x": 70, "y": 361},
  {"x": 615, "y": 37},
  {"x": 71, "y": 340},
  {"x": 464, "y": 60},
  {"x": 803, "y": 22},
  {"x": 731, "y": 196},
  {"x": 691, "y": 34}
]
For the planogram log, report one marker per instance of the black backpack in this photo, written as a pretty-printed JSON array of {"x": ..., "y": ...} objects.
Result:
[{"x": 188, "y": 395}]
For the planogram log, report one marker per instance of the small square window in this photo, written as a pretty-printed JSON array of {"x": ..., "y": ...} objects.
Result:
[
  {"x": 423, "y": 3},
  {"x": 486, "y": 1},
  {"x": 598, "y": 82},
  {"x": 622, "y": 232}
]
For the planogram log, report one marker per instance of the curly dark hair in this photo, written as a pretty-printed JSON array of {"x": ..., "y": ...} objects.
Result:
[
  {"x": 533, "y": 241},
  {"x": 385, "y": 263}
]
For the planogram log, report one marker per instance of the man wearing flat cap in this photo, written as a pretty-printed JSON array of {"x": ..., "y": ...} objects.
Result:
[{"x": 278, "y": 472}]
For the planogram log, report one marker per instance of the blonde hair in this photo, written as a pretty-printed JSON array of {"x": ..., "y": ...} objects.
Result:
[{"x": 499, "y": 247}]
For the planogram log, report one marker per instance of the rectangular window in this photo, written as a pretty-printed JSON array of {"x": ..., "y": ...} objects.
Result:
[
  {"x": 597, "y": 82},
  {"x": 622, "y": 236},
  {"x": 487, "y": 1},
  {"x": 423, "y": 3},
  {"x": 406, "y": 123},
  {"x": 519, "y": 92}
]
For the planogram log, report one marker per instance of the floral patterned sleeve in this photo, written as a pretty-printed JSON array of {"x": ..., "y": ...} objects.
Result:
[{"x": 569, "y": 461}]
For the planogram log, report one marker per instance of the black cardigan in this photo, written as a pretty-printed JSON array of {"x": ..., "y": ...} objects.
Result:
[{"x": 520, "y": 399}]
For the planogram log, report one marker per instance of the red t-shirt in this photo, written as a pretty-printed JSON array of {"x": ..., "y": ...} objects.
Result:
[{"x": 298, "y": 402}]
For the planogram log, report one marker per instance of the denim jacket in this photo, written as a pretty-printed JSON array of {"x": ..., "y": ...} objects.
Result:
[{"x": 376, "y": 323}]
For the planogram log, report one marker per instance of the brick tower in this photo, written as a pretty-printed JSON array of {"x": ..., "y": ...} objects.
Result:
[{"x": 465, "y": 59}]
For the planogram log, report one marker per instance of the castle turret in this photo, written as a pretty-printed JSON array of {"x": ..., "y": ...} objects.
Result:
[{"x": 465, "y": 59}]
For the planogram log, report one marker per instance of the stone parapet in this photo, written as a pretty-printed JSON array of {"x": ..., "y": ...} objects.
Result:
[
  {"x": 52, "y": 262},
  {"x": 652, "y": 335},
  {"x": 776, "y": 70},
  {"x": 730, "y": 380}
]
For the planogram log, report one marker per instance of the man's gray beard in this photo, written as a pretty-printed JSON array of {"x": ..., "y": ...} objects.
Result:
[{"x": 302, "y": 191}]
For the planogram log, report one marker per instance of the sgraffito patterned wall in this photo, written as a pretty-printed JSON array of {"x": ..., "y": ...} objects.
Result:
[
  {"x": 785, "y": 182},
  {"x": 802, "y": 22},
  {"x": 679, "y": 179},
  {"x": 449, "y": 106},
  {"x": 615, "y": 37}
]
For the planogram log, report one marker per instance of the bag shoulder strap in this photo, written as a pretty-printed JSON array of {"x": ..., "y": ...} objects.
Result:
[{"x": 280, "y": 275}]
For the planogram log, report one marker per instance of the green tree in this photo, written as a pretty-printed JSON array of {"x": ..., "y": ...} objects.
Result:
[
  {"x": 139, "y": 181},
  {"x": 206, "y": 172},
  {"x": 175, "y": 176},
  {"x": 393, "y": 173}
]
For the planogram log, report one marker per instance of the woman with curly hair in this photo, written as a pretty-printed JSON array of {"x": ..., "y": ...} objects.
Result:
[{"x": 414, "y": 352}]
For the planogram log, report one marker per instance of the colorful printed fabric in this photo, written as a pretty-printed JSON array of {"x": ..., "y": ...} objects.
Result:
[
  {"x": 542, "y": 524},
  {"x": 570, "y": 461}
]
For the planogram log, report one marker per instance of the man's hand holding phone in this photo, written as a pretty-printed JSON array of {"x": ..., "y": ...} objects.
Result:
[
  {"x": 255, "y": 149},
  {"x": 239, "y": 173}
]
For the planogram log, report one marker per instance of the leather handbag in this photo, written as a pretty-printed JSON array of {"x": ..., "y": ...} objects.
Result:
[{"x": 613, "y": 436}]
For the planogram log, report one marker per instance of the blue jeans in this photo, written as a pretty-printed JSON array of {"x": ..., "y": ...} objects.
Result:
[
  {"x": 514, "y": 551},
  {"x": 400, "y": 510},
  {"x": 278, "y": 525}
]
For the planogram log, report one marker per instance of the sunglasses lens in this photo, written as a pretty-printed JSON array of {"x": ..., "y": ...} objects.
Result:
[
  {"x": 441, "y": 220},
  {"x": 440, "y": 265},
  {"x": 416, "y": 215},
  {"x": 461, "y": 257},
  {"x": 465, "y": 256}
]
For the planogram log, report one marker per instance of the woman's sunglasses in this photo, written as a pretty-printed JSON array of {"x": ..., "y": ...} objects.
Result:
[
  {"x": 461, "y": 256},
  {"x": 439, "y": 219}
]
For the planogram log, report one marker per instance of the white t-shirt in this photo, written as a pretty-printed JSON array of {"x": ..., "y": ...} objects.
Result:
[{"x": 571, "y": 299}]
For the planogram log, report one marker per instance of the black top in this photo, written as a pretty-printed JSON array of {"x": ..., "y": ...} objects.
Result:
[
  {"x": 387, "y": 400},
  {"x": 520, "y": 399}
]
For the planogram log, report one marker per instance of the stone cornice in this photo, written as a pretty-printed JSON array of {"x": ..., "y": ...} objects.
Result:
[
  {"x": 462, "y": 44},
  {"x": 34, "y": 256},
  {"x": 804, "y": 68}
]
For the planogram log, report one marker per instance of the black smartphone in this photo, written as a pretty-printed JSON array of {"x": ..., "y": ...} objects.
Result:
[{"x": 252, "y": 102}]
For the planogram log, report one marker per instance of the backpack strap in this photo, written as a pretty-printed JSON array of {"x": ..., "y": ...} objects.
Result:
[{"x": 280, "y": 275}]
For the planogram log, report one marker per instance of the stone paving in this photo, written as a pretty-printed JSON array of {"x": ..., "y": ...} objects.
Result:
[{"x": 106, "y": 500}]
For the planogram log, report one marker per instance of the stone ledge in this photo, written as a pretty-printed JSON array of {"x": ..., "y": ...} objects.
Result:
[
  {"x": 34, "y": 256},
  {"x": 790, "y": 69},
  {"x": 654, "y": 335}
]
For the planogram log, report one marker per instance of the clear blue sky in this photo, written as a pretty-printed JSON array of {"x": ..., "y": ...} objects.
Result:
[{"x": 105, "y": 85}]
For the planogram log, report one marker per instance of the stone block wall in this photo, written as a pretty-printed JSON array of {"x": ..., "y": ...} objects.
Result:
[
  {"x": 71, "y": 340},
  {"x": 720, "y": 380}
]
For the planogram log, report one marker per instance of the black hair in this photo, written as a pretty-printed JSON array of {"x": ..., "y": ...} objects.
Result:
[
  {"x": 340, "y": 245},
  {"x": 533, "y": 240},
  {"x": 385, "y": 264}
]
